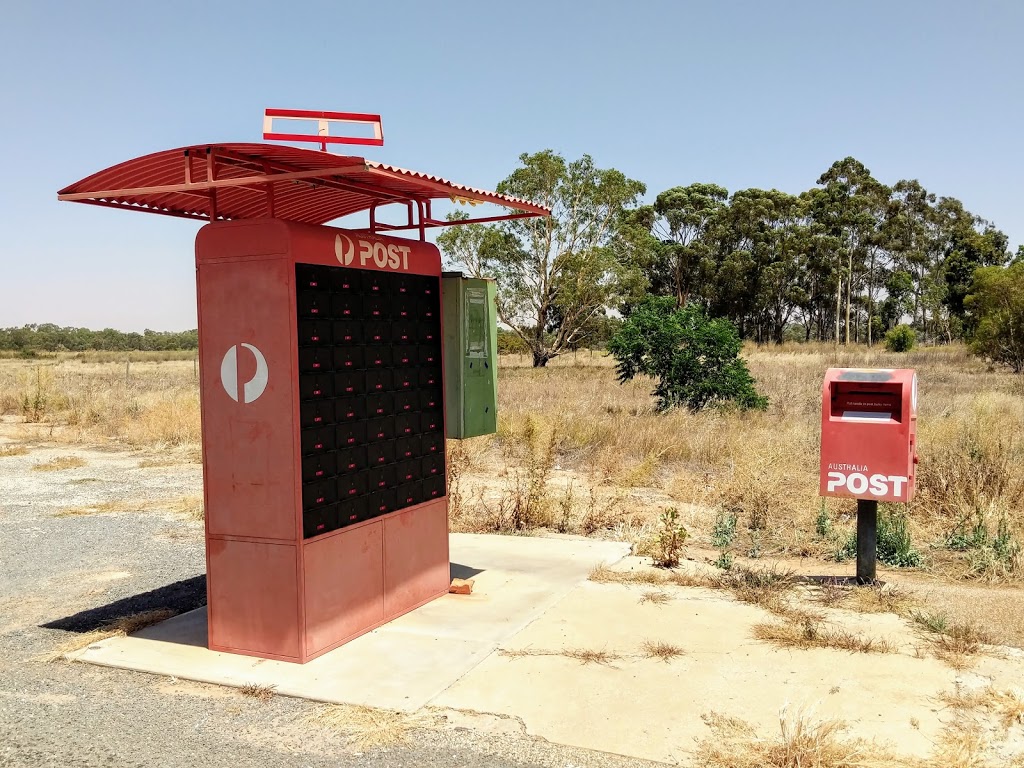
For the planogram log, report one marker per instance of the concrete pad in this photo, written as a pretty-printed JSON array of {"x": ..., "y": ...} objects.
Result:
[
  {"x": 652, "y": 709},
  {"x": 405, "y": 664}
]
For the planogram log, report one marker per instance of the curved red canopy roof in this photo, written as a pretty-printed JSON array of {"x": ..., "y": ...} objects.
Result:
[{"x": 245, "y": 181}]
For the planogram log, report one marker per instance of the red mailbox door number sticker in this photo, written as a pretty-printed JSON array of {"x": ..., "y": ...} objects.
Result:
[
  {"x": 229, "y": 375},
  {"x": 383, "y": 255},
  {"x": 857, "y": 479}
]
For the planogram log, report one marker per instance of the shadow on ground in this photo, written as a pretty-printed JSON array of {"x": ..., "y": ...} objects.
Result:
[
  {"x": 180, "y": 597},
  {"x": 464, "y": 571}
]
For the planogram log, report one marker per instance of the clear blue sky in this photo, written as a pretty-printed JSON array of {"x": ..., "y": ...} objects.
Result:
[{"x": 745, "y": 94}]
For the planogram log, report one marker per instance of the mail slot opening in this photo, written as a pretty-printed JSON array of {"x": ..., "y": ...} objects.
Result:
[{"x": 867, "y": 402}]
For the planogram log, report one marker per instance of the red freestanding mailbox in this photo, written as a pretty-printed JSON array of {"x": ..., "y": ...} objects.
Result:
[
  {"x": 320, "y": 383},
  {"x": 869, "y": 434}
]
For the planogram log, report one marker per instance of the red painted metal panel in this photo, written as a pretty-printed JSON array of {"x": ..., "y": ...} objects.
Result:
[
  {"x": 344, "y": 576},
  {"x": 416, "y": 566},
  {"x": 253, "y": 598},
  {"x": 247, "y": 394}
]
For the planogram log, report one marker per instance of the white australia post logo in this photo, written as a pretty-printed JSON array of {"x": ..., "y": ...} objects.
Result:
[
  {"x": 855, "y": 479},
  {"x": 254, "y": 387},
  {"x": 384, "y": 255}
]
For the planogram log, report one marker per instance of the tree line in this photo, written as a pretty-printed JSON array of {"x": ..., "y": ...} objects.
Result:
[
  {"x": 844, "y": 261},
  {"x": 48, "y": 337}
]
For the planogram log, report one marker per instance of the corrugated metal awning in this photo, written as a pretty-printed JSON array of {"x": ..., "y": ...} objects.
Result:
[{"x": 245, "y": 181}]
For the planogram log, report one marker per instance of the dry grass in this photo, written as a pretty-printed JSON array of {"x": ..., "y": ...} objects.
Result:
[
  {"x": 58, "y": 463},
  {"x": 366, "y": 727},
  {"x": 813, "y": 634},
  {"x": 1006, "y": 705},
  {"x": 872, "y": 598},
  {"x": 12, "y": 450},
  {"x": 113, "y": 507},
  {"x": 962, "y": 744},
  {"x": 84, "y": 399},
  {"x": 573, "y": 417},
  {"x": 582, "y": 655},
  {"x": 659, "y": 649},
  {"x": 126, "y": 625},
  {"x": 766, "y": 587},
  {"x": 190, "y": 507},
  {"x": 263, "y": 693},
  {"x": 656, "y": 598},
  {"x": 802, "y": 742},
  {"x": 591, "y": 656},
  {"x": 954, "y": 641},
  {"x": 606, "y": 575}
]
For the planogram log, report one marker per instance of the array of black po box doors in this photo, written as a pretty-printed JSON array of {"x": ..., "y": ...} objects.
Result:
[{"x": 372, "y": 414}]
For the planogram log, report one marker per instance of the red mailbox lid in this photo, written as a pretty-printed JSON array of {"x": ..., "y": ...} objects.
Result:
[{"x": 884, "y": 395}]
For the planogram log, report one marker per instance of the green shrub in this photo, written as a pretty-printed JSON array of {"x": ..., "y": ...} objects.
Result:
[
  {"x": 724, "y": 532},
  {"x": 996, "y": 306},
  {"x": 668, "y": 544},
  {"x": 823, "y": 522},
  {"x": 695, "y": 360},
  {"x": 893, "y": 542},
  {"x": 900, "y": 339},
  {"x": 988, "y": 554}
]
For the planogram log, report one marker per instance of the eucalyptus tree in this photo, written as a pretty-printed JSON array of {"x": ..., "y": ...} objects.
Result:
[
  {"x": 555, "y": 274},
  {"x": 852, "y": 209},
  {"x": 680, "y": 223}
]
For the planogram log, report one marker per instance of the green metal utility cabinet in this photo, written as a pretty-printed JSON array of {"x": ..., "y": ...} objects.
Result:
[{"x": 470, "y": 336}]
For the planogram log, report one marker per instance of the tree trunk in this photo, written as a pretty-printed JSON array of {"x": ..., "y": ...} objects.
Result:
[
  {"x": 849, "y": 295},
  {"x": 540, "y": 358},
  {"x": 839, "y": 304}
]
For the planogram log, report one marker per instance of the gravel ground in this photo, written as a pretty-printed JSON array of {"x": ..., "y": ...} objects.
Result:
[{"x": 62, "y": 575}]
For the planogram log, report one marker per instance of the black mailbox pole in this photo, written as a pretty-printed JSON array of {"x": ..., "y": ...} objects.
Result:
[{"x": 867, "y": 540}]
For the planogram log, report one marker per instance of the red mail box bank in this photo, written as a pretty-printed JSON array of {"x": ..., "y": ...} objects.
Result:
[
  {"x": 869, "y": 434},
  {"x": 321, "y": 381}
]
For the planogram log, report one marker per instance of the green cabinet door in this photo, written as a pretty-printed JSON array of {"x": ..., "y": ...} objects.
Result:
[{"x": 470, "y": 355}]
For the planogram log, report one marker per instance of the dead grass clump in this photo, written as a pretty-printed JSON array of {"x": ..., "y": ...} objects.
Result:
[
  {"x": 831, "y": 593},
  {"x": 870, "y": 598},
  {"x": 167, "y": 461},
  {"x": 126, "y": 625},
  {"x": 12, "y": 450},
  {"x": 961, "y": 744},
  {"x": 655, "y": 597},
  {"x": 954, "y": 642},
  {"x": 263, "y": 693},
  {"x": 605, "y": 575},
  {"x": 659, "y": 649},
  {"x": 802, "y": 742},
  {"x": 1007, "y": 705},
  {"x": 525, "y": 502},
  {"x": 591, "y": 656},
  {"x": 101, "y": 508},
  {"x": 58, "y": 463},
  {"x": 190, "y": 507},
  {"x": 368, "y": 728},
  {"x": 813, "y": 634},
  {"x": 767, "y": 588},
  {"x": 582, "y": 655}
]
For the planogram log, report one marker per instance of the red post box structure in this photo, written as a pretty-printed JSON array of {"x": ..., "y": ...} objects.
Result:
[
  {"x": 320, "y": 384},
  {"x": 868, "y": 446}
]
